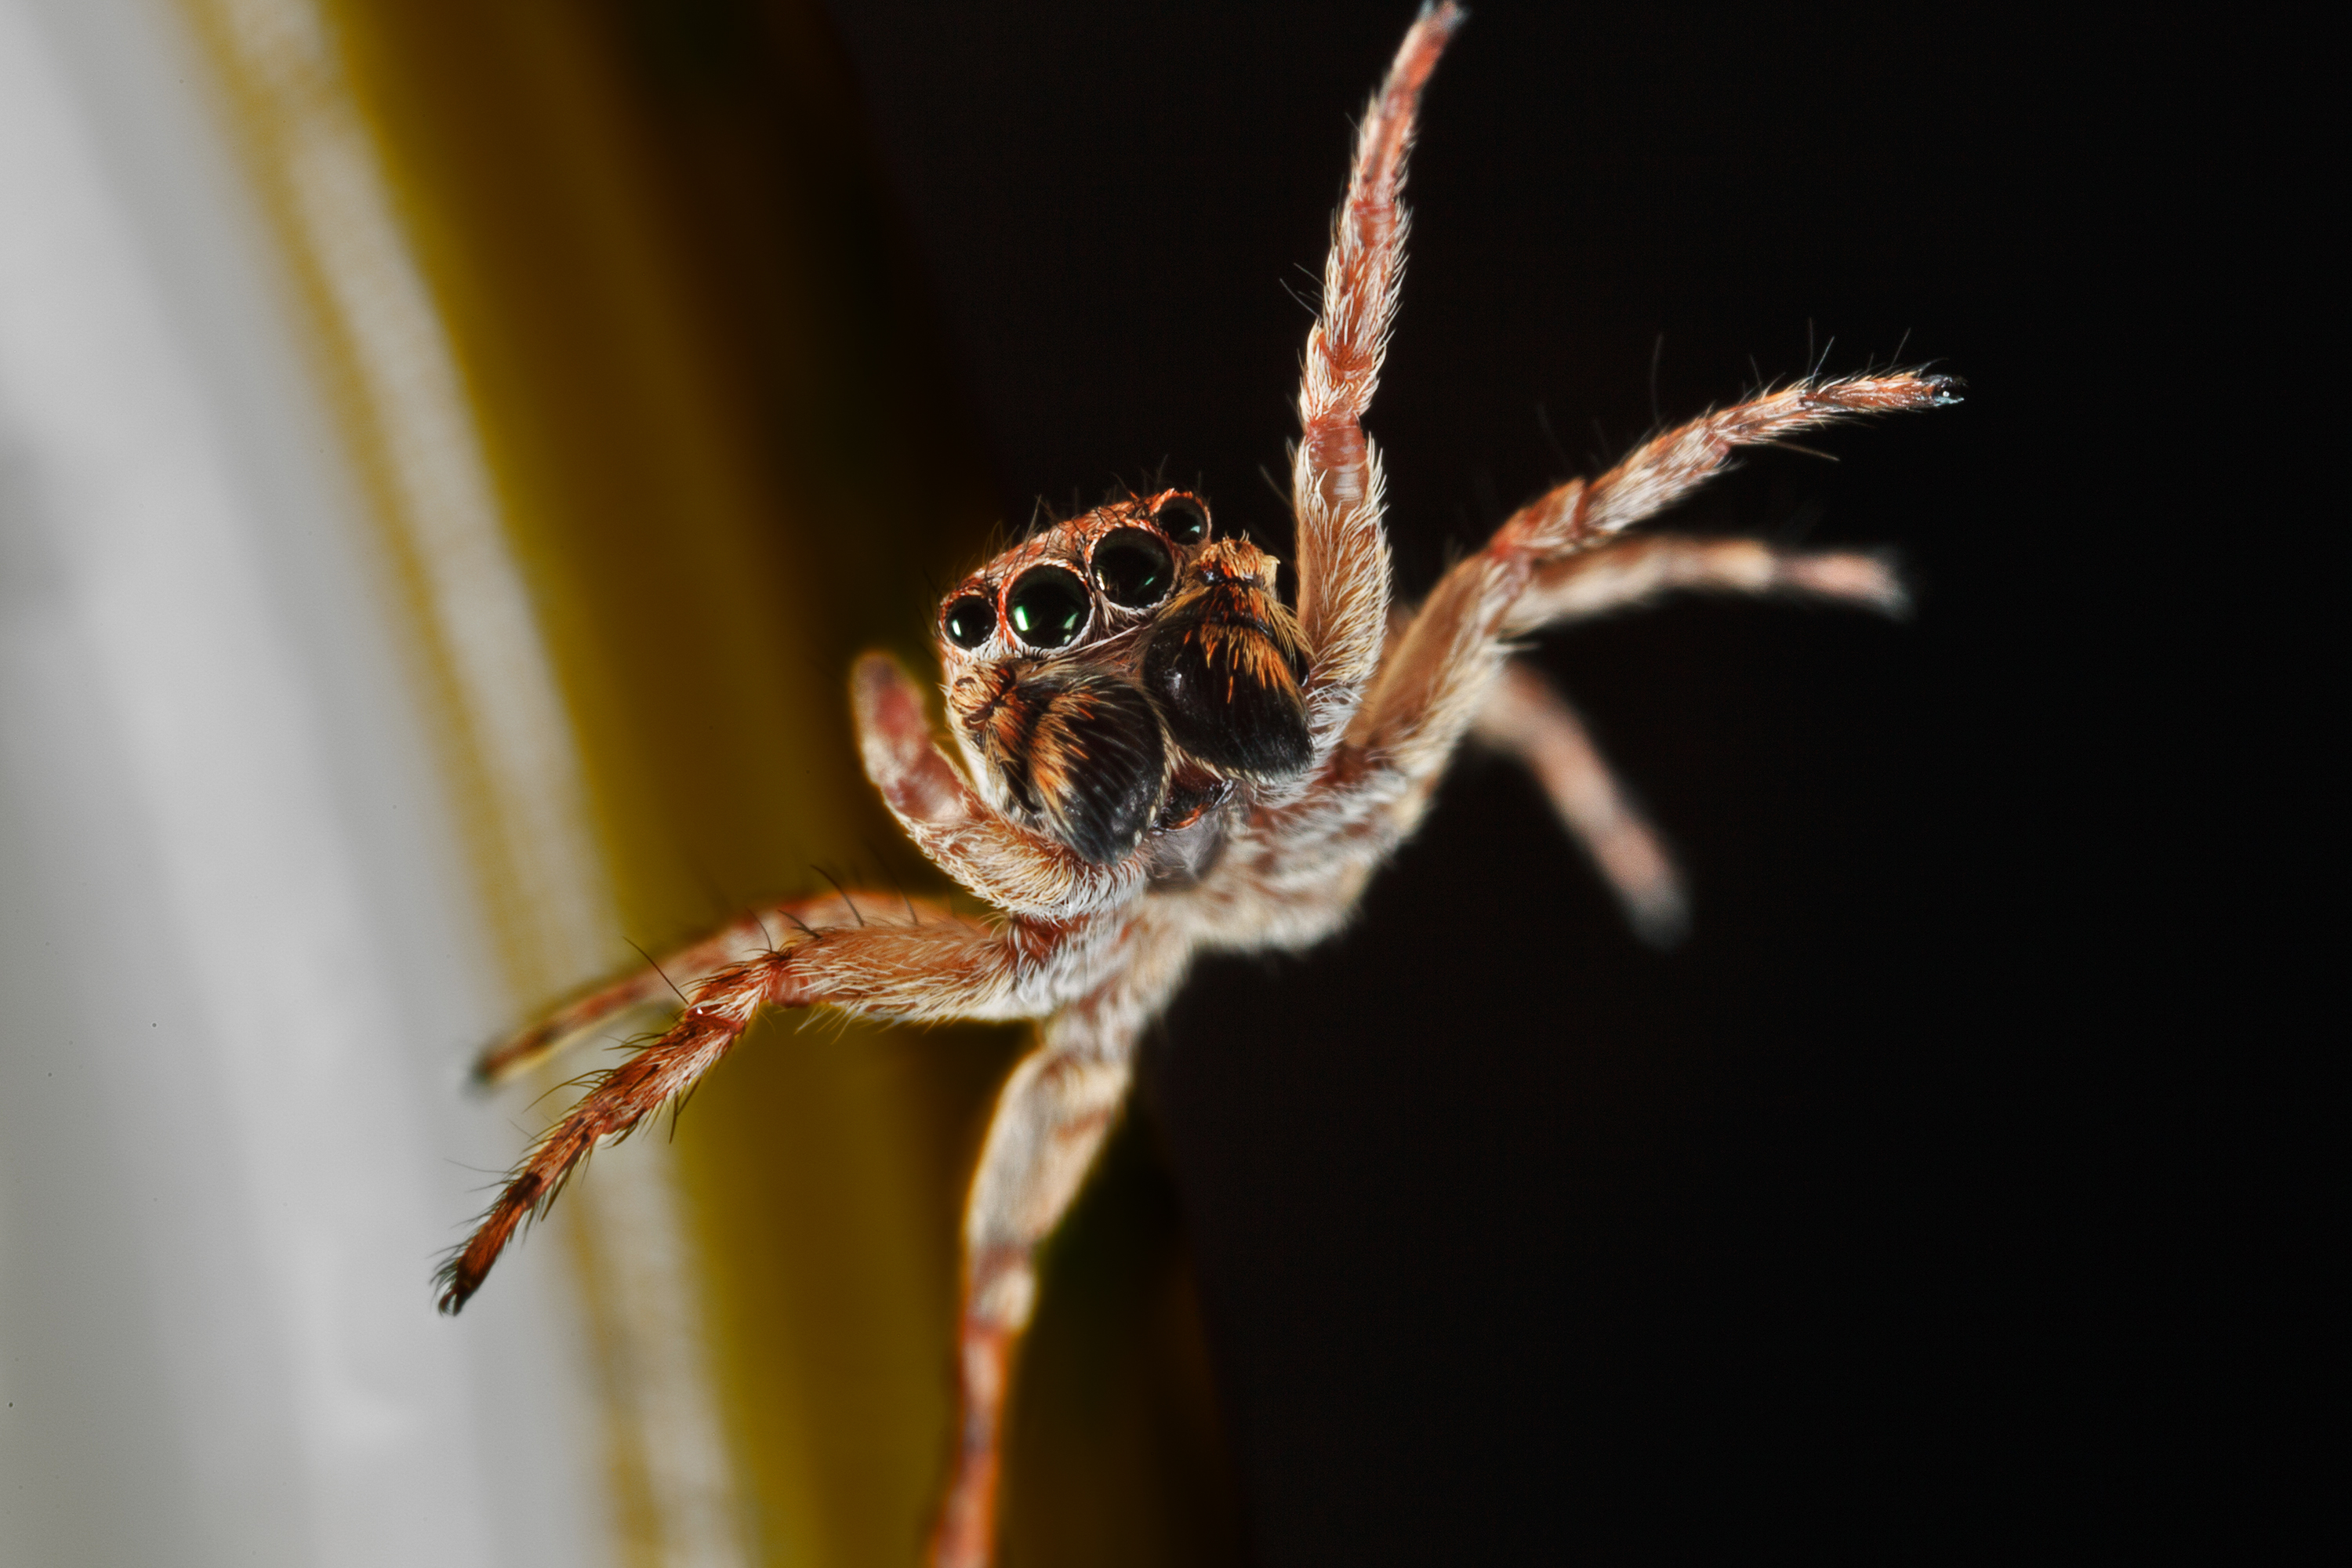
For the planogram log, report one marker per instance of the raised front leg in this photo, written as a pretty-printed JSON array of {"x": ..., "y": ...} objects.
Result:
[
  {"x": 1343, "y": 556},
  {"x": 1049, "y": 1125}
]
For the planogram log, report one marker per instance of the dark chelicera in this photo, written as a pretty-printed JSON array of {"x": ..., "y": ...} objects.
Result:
[
  {"x": 1097, "y": 763},
  {"x": 1227, "y": 690}
]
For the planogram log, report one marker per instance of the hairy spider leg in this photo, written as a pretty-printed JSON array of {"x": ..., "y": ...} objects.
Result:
[
  {"x": 1630, "y": 572},
  {"x": 1527, "y": 719},
  {"x": 946, "y": 968},
  {"x": 1662, "y": 470},
  {"x": 664, "y": 982},
  {"x": 1049, "y": 1124},
  {"x": 934, "y": 969},
  {"x": 1439, "y": 671},
  {"x": 1343, "y": 554}
]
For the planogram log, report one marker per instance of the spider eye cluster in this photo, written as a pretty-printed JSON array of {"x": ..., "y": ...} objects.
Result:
[
  {"x": 1098, "y": 693},
  {"x": 1048, "y": 608}
]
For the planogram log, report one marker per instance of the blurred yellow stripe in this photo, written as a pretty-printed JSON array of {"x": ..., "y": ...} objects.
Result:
[
  {"x": 608, "y": 357},
  {"x": 629, "y": 352}
]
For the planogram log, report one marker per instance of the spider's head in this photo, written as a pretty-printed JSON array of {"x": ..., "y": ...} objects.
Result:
[{"x": 1115, "y": 673}]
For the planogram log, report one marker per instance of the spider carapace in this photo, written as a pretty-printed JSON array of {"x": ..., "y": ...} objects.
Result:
[
  {"x": 1114, "y": 680},
  {"x": 1152, "y": 755}
]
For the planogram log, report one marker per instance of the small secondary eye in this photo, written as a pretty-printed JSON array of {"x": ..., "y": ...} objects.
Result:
[
  {"x": 1133, "y": 569},
  {"x": 969, "y": 621},
  {"x": 1183, "y": 519},
  {"x": 1048, "y": 607}
]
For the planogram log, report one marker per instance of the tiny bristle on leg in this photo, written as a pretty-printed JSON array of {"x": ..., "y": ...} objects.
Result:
[
  {"x": 1342, "y": 554},
  {"x": 662, "y": 983},
  {"x": 1668, "y": 467},
  {"x": 618, "y": 1102}
]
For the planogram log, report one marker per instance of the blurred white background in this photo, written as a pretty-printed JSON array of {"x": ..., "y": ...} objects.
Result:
[{"x": 240, "y": 962}]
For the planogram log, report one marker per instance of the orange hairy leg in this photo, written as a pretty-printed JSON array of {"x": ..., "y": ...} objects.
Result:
[
  {"x": 1436, "y": 679},
  {"x": 1527, "y": 719},
  {"x": 937, "y": 966},
  {"x": 1050, "y": 1122},
  {"x": 1335, "y": 486},
  {"x": 930, "y": 968},
  {"x": 1630, "y": 572},
  {"x": 996, "y": 859},
  {"x": 664, "y": 982},
  {"x": 1579, "y": 515},
  {"x": 944, "y": 968}
]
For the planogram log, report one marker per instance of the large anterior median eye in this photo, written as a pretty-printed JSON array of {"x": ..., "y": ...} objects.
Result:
[
  {"x": 1048, "y": 607},
  {"x": 1134, "y": 570},
  {"x": 969, "y": 621},
  {"x": 1183, "y": 519}
]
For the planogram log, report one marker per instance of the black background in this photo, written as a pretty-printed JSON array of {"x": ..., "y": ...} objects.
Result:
[{"x": 1940, "y": 1190}]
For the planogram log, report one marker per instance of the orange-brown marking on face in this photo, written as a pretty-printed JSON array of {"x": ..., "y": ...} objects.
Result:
[
  {"x": 1225, "y": 663},
  {"x": 1000, "y": 713},
  {"x": 1056, "y": 756},
  {"x": 1079, "y": 751},
  {"x": 1246, "y": 655},
  {"x": 1097, "y": 764}
]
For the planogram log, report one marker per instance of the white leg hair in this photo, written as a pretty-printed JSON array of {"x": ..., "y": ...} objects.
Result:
[{"x": 1343, "y": 555}]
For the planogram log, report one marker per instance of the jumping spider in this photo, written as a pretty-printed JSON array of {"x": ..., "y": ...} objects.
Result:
[{"x": 1155, "y": 756}]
